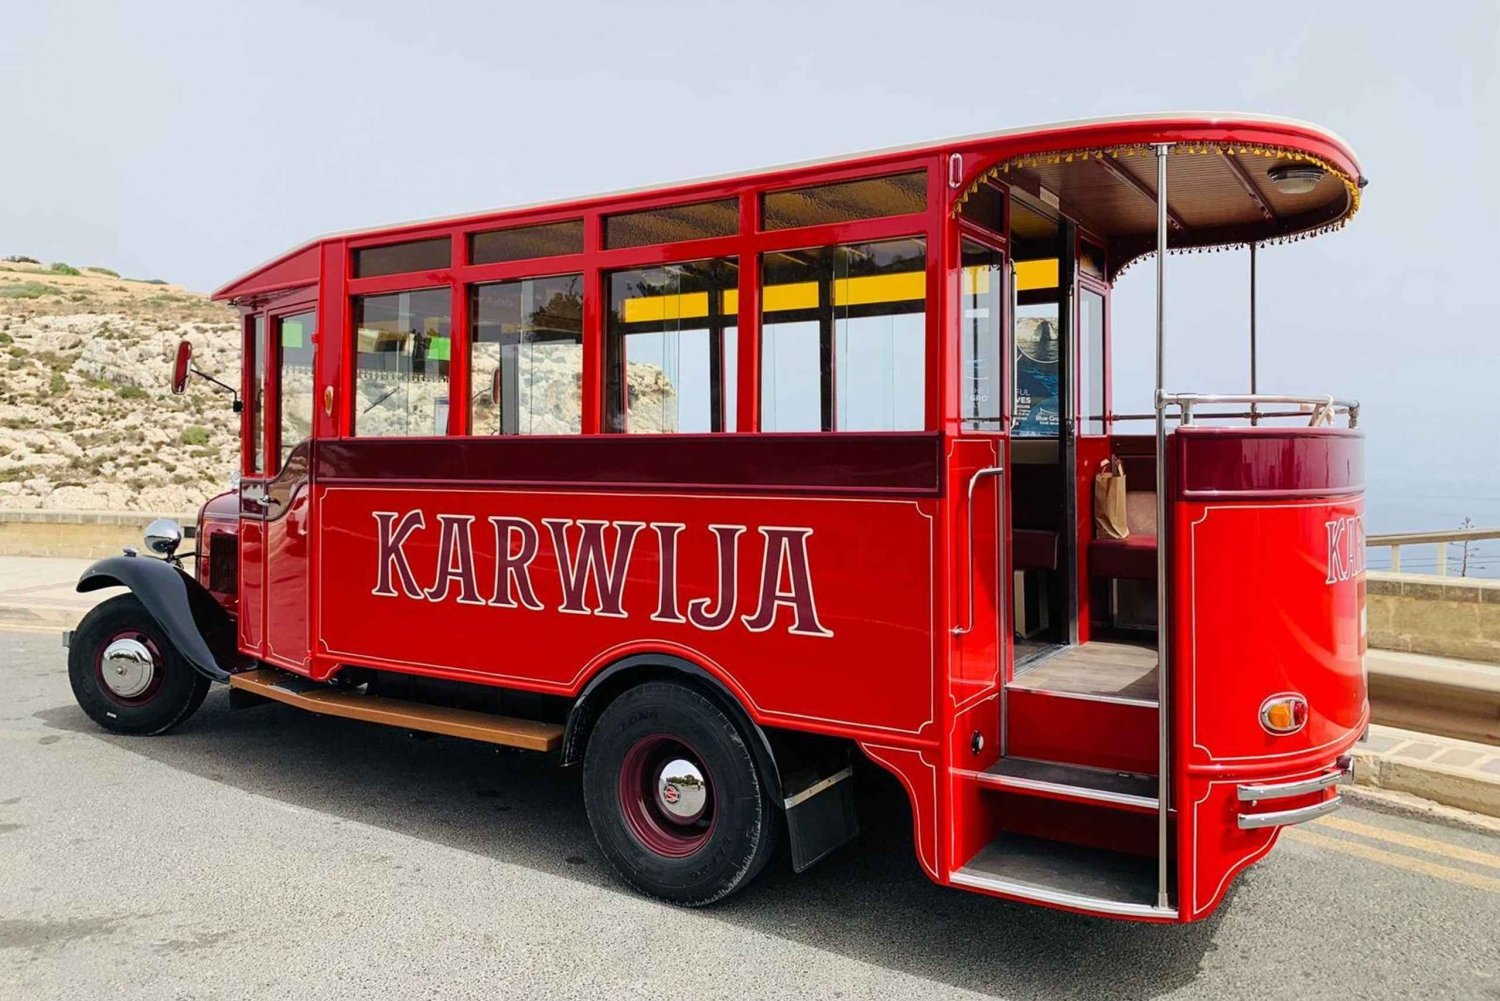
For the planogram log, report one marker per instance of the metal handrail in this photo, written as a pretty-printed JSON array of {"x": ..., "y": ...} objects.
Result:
[
  {"x": 1394, "y": 543},
  {"x": 1324, "y": 408},
  {"x": 979, "y": 474}
]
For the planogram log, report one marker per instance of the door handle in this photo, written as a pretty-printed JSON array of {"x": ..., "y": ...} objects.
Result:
[{"x": 979, "y": 474}]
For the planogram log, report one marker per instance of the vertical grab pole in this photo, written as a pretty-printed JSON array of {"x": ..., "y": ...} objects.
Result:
[
  {"x": 1163, "y": 619},
  {"x": 1254, "y": 418}
]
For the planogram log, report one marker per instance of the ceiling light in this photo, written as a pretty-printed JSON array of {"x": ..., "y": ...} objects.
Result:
[{"x": 1295, "y": 179}]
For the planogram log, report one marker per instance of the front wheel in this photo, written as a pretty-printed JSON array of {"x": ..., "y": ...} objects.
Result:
[
  {"x": 674, "y": 797},
  {"x": 127, "y": 675}
]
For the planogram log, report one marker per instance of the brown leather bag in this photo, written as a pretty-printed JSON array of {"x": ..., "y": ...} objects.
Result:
[{"x": 1109, "y": 500}]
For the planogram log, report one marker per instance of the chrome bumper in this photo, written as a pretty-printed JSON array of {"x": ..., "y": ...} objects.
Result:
[{"x": 1344, "y": 772}]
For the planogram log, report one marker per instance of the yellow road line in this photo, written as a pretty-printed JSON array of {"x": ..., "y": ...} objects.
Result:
[
  {"x": 1412, "y": 841},
  {"x": 1397, "y": 861}
]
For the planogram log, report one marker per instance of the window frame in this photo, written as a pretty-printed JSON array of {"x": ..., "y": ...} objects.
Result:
[{"x": 595, "y": 263}]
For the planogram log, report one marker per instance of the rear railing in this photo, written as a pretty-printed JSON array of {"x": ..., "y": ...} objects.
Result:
[{"x": 1316, "y": 410}]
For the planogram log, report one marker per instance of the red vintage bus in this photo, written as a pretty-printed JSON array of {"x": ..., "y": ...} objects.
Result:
[{"x": 716, "y": 489}]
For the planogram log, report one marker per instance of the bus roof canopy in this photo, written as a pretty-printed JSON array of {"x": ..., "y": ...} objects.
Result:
[{"x": 1233, "y": 179}]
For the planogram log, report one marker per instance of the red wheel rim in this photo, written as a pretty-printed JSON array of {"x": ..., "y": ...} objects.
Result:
[
  {"x": 157, "y": 675},
  {"x": 643, "y": 800}
]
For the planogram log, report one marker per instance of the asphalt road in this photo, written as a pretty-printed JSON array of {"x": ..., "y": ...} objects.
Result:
[{"x": 270, "y": 853}]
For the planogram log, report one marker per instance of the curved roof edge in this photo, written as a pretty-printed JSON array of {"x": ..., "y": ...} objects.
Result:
[{"x": 256, "y": 280}]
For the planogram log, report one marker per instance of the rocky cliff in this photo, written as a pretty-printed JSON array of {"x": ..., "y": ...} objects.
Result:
[{"x": 87, "y": 419}]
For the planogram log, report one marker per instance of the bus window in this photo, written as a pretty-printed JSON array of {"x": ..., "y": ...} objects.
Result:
[
  {"x": 845, "y": 201},
  {"x": 399, "y": 258},
  {"x": 1035, "y": 243},
  {"x": 525, "y": 242},
  {"x": 673, "y": 224},
  {"x": 259, "y": 360},
  {"x": 531, "y": 333},
  {"x": 402, "y": 348},
  {"x": 295, "y": 382},
  {"x": 981, "y": 307},
  {"x": 985, "y": 207},
  {"x": 671, "y": 344},
  {"x": 843, "y": 338},
  {"x": 1091, "y": 360}
]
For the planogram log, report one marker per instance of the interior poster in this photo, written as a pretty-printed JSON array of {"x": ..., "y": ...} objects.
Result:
[{"x": 1036, "y": 413}]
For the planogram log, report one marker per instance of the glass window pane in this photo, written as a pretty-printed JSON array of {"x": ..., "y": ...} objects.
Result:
[
  {"x": 843, "y": 338},
  {"x": 399, "y": 258},
  {"x": 981, "y": 308},
  {"x": 866, "y": 198},
  {"x": 1036, "y": 408},
  {"x": 402, "y": 350},
  {"x": 1091, "y": 359},
  {"x": 295, "y": 397},
  {"x": 673, "y": 224},
  {"x": 549, "y": 240},
  {"x": 526, "y": 357},
  {"x": 672, "y": 348},
  {"x": 1091, "y": 259},
  {"x": 259, "y": 359},
  {"x": 985, "y": 207}
]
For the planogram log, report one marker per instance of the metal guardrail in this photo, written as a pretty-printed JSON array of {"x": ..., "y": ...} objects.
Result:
[
  {"x": 1315, "y": 410},
  {"x": 1394, "y": 542},
  {"x": 1318, "y": 409}
]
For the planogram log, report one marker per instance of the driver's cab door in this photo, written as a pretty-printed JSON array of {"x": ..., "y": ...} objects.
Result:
[{"x": 275, "y": 484}]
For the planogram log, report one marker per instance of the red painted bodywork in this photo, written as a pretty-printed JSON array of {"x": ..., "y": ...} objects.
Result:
[{"x": 885, "y": 529}]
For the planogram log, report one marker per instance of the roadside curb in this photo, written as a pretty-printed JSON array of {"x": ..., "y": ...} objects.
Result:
[
  {"x": 42, "y": 617},
  {"x": 1442, "y": 770},
  {"x": 1404, "y": 804}
]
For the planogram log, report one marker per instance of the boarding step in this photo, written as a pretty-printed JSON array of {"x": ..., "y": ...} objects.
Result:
[
  {"x": 1075, "y": 783},
  {"x": 1088, "y": 879},
  {"x": 348, "y": 703}
]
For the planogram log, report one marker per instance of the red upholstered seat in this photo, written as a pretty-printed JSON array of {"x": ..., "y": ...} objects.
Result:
[
  {"x": 1133, "y": 558},
  {"x": 1035, "y": 549}
]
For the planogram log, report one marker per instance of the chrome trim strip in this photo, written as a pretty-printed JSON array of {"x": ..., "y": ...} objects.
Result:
[
  {"x": 817, "y": 787},
  {"x": 1301, "y": 787},
  {"x": 1024, "y": 891},
  {"x": 1282, "y": 818},
  {"x": 1119, "y": 700},
  {"x": 1077, "y": 792}
]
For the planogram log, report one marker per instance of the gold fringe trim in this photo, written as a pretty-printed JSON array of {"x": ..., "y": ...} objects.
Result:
[{"x": 1055, "y": 157}]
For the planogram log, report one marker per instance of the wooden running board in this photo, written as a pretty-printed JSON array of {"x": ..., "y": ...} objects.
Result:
[{"x": 296, "y": 691}]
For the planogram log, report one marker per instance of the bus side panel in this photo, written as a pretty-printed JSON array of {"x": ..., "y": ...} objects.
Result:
[
  {"x": 828, "y": 623},
  {"x": 1266, "y": 606}
]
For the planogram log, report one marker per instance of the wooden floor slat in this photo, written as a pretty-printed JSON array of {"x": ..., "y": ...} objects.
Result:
[
  {"x": 507, "y": 730},
  {"x": 1100, "y": 667}
]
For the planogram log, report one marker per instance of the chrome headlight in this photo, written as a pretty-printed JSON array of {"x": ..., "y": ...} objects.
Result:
[{"x": 163, "y": 536}]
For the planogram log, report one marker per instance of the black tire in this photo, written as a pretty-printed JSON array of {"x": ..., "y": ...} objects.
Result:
[
  {"x": 689, "y": 864},
  {"x": 176, "y": 689}
]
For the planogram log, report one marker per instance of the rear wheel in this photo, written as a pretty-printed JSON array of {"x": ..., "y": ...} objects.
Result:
[
  {"x": 674, "y": 797},
  {"x": 127, "y": 675}
]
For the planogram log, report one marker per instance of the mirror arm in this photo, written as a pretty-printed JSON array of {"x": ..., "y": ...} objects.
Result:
[{"x": 222, "y": 385}]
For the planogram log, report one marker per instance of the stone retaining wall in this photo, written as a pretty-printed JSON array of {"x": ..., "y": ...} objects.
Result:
[
  {"x": 80, "y": 534},
  {"x": 1444, "y": 616}
]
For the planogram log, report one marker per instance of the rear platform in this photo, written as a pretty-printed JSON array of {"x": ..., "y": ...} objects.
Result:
[{"x": 1104, "y": 668}]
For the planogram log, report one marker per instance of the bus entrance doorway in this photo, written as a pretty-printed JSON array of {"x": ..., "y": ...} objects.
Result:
[{"x": 1042, "y": 487}]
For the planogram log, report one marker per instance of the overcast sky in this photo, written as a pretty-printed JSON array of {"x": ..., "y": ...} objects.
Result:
[{"x": 190, "y": 141}]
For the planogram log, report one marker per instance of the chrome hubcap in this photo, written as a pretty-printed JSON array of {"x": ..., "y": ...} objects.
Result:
[
  {"x": 127, "y": 667},
  {"x": 681, "y": 790}
]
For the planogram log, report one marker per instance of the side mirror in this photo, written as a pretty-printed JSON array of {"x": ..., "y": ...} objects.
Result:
[
  {"x": 182, "y": 367},
  {"x": 163, "y": 535}
]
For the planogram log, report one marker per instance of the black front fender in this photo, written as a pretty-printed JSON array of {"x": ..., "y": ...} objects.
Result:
[{"x": 196, "y": 624}]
